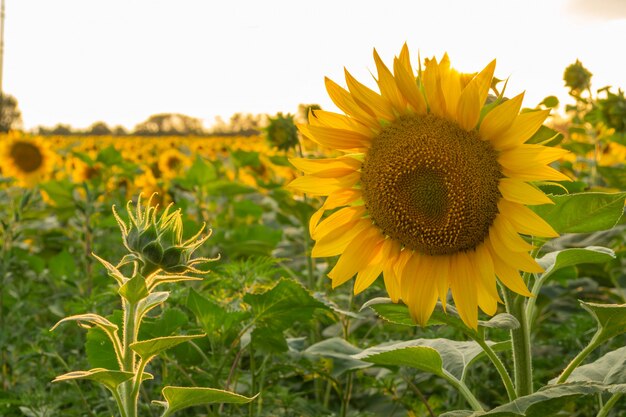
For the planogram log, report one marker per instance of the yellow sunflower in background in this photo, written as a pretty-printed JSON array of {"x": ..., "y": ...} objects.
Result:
[
  {"x": 431, "y": 192},
  {"x": 25, "y": 158},
  {"x": 172, "y": 162}
]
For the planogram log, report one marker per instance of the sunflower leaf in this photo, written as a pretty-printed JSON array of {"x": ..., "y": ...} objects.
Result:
[
  {"x": 609, "y": 369},
  {"x": 340, "y": 352},
  {"x": 108, "y": 378},
  {"x": 178, "y": 398},
  {"x": 437, "y": 356},
  {"x": 611, "y": 319},
  {"x": 583, "y": 212},
  {"x": 554, "y": 261}
]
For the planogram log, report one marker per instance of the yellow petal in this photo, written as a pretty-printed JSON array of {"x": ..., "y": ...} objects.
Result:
[
  {"x": 432, "y": 87},
  {"x": 500, "y": 118},
  {"x": 368, "y": 99},
  {"x": 407, "y": 84},
  {"x": 391, "y": 252},
  {"x": 338, "y": 121},
  {"x": 314, "y": 166},
  {"x": 336, "y": 199},
  {"x": 356, "y": 256},
  {"x": 451, "y": 86},
  {"x": 508, "y": 275},
  {"x": 483, "y": 264},
  {"x": 387, "y": 85},
  {"x": 534, "y": 173},
  {"x": 335, "y": 138},
  {"x": 464, "y": 293},
  {"x": 524, "y": 126},
  {"x": 344, "y": 101},
  {"x": 323, "y": 186},
  {"x": 529, "y": 156},
  {"x": 337, "y": 240},
  {"x": 368, "y": 275},
  {"x": 473, "y": 97},
  {"x": 405, "y": 59},
  {"x": 521, "y": 192},
  {"x": 503, "y": 234},
  {"x": 525, "y": 221},
  {"x": 337, "y": 219},
  {"x": 418, "y": 288}
]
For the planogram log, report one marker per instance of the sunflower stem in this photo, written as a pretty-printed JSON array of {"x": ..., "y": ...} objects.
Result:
[
  {"x": 520, "y": 339},
  {"x": 463, "y": 390},
  {"x": 504, "y": 374},
  {"x": 604, "y": 411}
]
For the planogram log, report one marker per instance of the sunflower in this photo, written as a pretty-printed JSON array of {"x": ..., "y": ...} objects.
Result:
[
  {"x": 25, "y": 158},
  {"x": 172, "y": 162},
  {"x": 430, "y": 188}
]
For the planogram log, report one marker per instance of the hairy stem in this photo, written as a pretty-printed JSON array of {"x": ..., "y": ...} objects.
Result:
[{"x": 520, "y": 339}]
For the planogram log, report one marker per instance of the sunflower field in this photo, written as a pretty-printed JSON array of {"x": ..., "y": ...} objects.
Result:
[{"x": 434, "y": 248}]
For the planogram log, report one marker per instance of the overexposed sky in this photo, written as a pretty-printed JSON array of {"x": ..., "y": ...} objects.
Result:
[{"x": 119, "y": 61}]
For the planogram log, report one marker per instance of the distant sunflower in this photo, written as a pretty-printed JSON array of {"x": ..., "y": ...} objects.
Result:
[
  {"x": 25, "y": 158},
  {"x": 172, "y": 162},
  {"x": 432, "y": 192}
]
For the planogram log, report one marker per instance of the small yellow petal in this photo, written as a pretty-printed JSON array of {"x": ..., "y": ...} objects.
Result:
[
  {"x": 432, "y": 88},
  {"x": 526, "y": 221},
  {"x": 344, "y": 101},
  {"x": 504, "y": 235},
  {"x": 473, "y": 97},
  {"x": 519, "y": 191},
  {"x": 356, "y": 256},
  {"x": 508, "y": 275},
  {"x": 391, "y": 252},
  {"x": 527, "y": 156},
  {"x": 316, "y": 166},
  {"x": 335, "y": 138},
  {"x": 524, "y": 126},
  {"x": 500, "y": 118},
  {"x": 335, "y": 241},
  {"x": 366, "y": 277},
  {"x": 368, "y": 99},
  {"x": 407, "y": 85},
  {"x": 463, "y": 288},
  {"x": 418, "y": 288},
  {"x": 337, "y": 219},
  {"x": 323, "y": 186},
  {"x": 534, "y": 173},
  {"x": 338, "y": 121},
  {"x": 387, "y": 85}
]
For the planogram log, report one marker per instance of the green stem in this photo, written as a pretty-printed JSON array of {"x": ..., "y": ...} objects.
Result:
[
  {"x": 119, "y": 402},
  {"x": 345, "y": 398},
  {"x": 604, "y": 411},
  {"x": 128, "y": 364},
  {"x": 520, "y": 339},
  {"x": 593, "y": 344},
  {"x": 504, "y": 374},
  {"x": 463, "y": 390}
]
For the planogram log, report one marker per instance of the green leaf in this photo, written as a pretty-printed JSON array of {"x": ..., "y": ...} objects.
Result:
[
  {"x": 545, "y": 402},
  {"x": 613, "y": 176},
  {"x": 546, "y": 136},
  {"x": 106, "y": 377},
  {"x": 611, "y": 319},
  {"x": 109, "y": 156},
  {"x": 167, "y": 323},
  {"x": 147, "y": 349},
  {"x": 228, "y": 188},
  {"x": 89, "y": 320},
  {"x": 610, "y": 369},
  {"x": 215, "y": 320},
  {"x": 151, "y": 301},
  {"x": 340, "y": 352},
  {"x": 201, "y": 172},
  {"x": 278, "y": 308},
  {"x": 582, "y": 213},
  {"x": 178, "y": 398},
  {"x": 430, "y": 355},
  {"x": 557, "y": 260},
  {"x": 267, "y": 340},
  {"x": 550, "y": 102},
  {"x": 62, "y": 265},
  {"x": 61, "y": 192},
  {"x": 134, "y": 289}
]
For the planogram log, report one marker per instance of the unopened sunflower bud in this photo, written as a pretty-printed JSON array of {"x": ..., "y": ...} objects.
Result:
[{"x": 577, "y": 77}]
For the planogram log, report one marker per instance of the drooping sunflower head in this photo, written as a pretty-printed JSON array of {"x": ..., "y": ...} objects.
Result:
[
  {"x": 27, "y": 159},
  {"x": 432, "y": 186}
]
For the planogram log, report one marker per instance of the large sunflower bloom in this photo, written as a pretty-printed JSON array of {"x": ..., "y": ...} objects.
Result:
[
  {"x": 431, "y": 191},
  {"x": 25, "y": 158}
]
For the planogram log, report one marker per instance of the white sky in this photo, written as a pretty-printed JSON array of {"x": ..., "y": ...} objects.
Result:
[{"x": 81, "y": 61}]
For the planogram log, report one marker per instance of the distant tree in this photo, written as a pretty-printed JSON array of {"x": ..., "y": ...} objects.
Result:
[
  {"x": 10, "y": 115},
  {"x": 243, "y": 124},
  {"x": 119, "y": 131},
  {"x": 98, "y": 129},
  {"x": 170, "y": 124},
  {"x": 62, "y": 130}
]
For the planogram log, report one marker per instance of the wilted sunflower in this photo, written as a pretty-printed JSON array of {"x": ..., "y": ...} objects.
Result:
[
  {"x": 433, "y": 191},
  {"x": 27, "y": 159}
]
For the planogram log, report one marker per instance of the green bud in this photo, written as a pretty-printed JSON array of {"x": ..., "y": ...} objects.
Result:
[
  {"x": 173, "y": 256},
  {"x": 147, "y": 236},
  {"x": 153, "y": 252},
  {"x": 132, "y": 240},
  {"x": 577, "y": 77}
]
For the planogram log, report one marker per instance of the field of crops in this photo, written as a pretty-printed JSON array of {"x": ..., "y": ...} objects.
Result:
[{"x": 207, "y": 281}]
